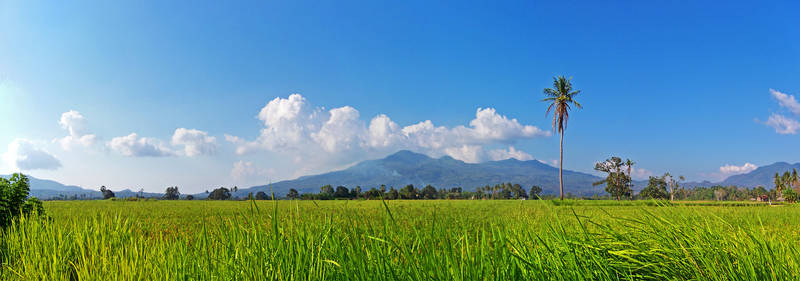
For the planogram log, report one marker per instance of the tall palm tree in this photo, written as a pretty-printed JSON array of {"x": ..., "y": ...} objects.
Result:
[{"x": 561, "y": 98}]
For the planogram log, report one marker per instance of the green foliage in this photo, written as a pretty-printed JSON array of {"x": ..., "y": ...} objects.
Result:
[
  {"x": 14, "y": 199},
  {"x": 392, "y": 194},
  {"x": 790, "y": 195},
  {"x": 656, "y": 189},
  {"x": 293, "y": 194},
  {"x": 262, "y": 196},
  {"x": 220, "y": 194},
  {"x": 535, "y": 191},
  {"x": 618, "y": 184},
  {"x": 408, "y": 192},
  {"x": 341, "y": 192},
  {"x": 171, "y": 193},
  {"x": 429, "y": 192}
]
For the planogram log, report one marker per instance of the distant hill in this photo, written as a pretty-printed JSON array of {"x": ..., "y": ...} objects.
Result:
[
  {"x": 406, "y": 167},
  {"x": 47, "y": 189},
  {"x": 763, "y": 175}
]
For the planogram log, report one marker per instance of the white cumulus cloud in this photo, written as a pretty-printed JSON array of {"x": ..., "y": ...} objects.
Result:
[
  {"x": 477, "y": 154},
  {"x": 24, "y": 154},
  {"x": 511, "y": 152},
  {"x": 783, "y": 125},
  {"x": 787, "y": 101},
  {"x": 76, "y": 125},
  {"x": 194, "y": 142},
  {"x": 133, "y": 145},
  {"x": 244, "y": 170},
  {"x": 339, "y": 136},
  {"x": 733, "y": 169}
]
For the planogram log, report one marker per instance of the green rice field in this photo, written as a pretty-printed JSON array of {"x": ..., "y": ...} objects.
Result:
[{"x": 403, "y": 240}]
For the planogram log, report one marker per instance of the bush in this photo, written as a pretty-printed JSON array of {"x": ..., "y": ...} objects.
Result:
[
  {"x": 220, "y": 194},
  {"x": 14, "y": 199},
  {"x": 790, "y": 195}
]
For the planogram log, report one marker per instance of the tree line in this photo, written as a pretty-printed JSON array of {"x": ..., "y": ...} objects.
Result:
[{"x": 410, "y": 192}]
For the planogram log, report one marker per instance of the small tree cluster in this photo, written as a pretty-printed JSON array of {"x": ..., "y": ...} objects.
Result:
[
  {"x": 220, "y": 194},
  {"x": 171, "y": 193},
  {"x": 107, "y": 193}
]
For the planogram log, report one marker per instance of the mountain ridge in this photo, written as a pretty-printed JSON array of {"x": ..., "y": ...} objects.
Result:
[{"x": 407, "y": 167}]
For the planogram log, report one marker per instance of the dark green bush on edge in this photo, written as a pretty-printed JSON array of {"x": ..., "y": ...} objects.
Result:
[{"x": 14, "y": 199}]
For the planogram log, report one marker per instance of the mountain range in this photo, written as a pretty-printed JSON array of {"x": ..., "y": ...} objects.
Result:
[{"x": 406, "y": 167}]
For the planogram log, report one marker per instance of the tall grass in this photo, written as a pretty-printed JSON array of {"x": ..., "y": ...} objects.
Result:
[{"x": 401, "y": 240}]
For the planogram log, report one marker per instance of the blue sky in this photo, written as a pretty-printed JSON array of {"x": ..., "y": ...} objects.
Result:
[{"x": 678, "y": 86}]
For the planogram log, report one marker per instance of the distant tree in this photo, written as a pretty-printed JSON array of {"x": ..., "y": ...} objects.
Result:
[
  {"x": 326, "y": 190},
  {"x": 535, "y": 191},
  {"x": 355, "y": 192},
  {"x": 14, "y": 200},
  {"x": 505, "y": 193},
  {"x": 293, "y": 194},
  {"x": 341, "y": 192},
  {"x": 373, "y": 193},
  {"x": 617, "y": 182},
  {"x": 408, "y": 192},
  {"x": 262, "y": 196},
  {"x": 790, "y": 195},
  {"x": 656, "y": 188},
  {"x": 220, "y": 194},
  {"x": 673, "y": 184},
  {"x": 517, "y": 192},
  {"x": 392, "y": 194},
  {"x": 429, "y": 192},
  {"x": 720, "y": 194},
  {"x": 107, "y": 193},
  {"x": 171, "y": 193},
  {"x": 561, "y": 98},
  {"x": 189, "y": 197}
]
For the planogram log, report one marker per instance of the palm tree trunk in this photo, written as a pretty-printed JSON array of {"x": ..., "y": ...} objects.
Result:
[{"x": 561, "y": 167}]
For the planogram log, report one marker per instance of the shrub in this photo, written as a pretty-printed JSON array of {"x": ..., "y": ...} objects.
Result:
[
  {"x": 14, "y": 199},
  {"x": 790, "y": 195}
]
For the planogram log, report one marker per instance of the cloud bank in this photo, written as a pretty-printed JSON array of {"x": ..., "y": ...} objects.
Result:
[
  {"x": 133, "y": 145},
  {"x": 728, "y": 169},
  {"x": 24, "y": 155},
  {"x": 194, "y": 142},
  {"x": 294, "y": 127}
]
